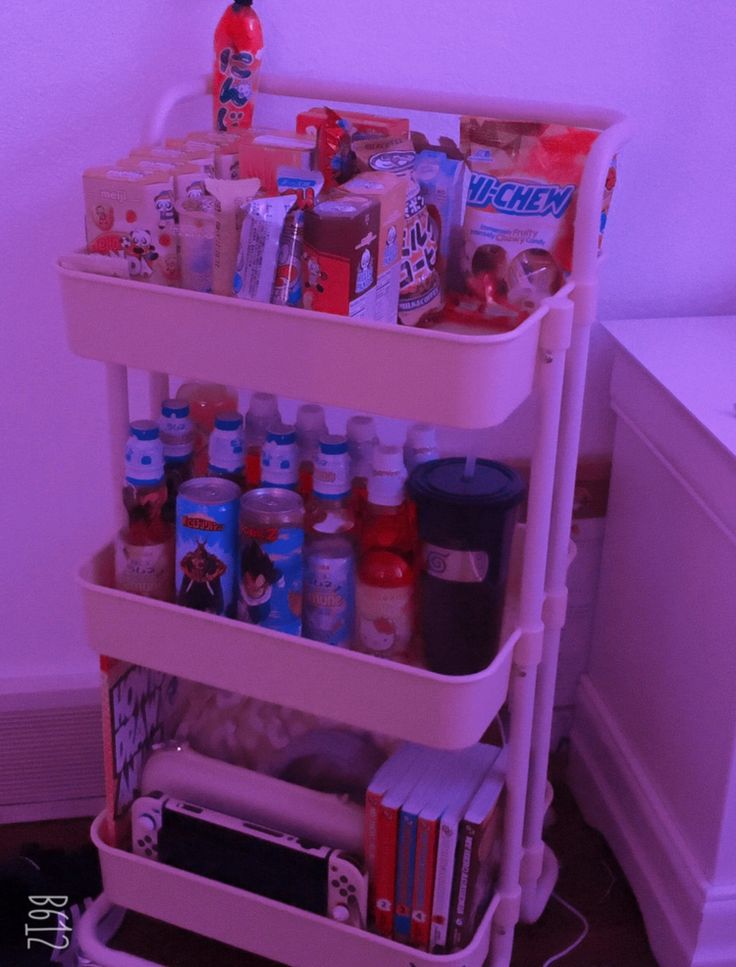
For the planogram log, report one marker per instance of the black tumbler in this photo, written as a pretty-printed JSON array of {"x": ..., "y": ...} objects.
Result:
[{"x": 465, "y": 529}]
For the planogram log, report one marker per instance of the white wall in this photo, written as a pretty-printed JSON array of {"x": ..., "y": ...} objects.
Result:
[{"x": 78, "y": 80}]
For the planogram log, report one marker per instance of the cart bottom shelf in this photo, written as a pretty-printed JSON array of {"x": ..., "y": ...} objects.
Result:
[{"x": 251, "y": 922}]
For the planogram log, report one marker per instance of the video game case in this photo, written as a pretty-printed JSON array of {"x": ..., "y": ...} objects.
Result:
[
  {"x": 481, "y": 759},
  {"x": 387, "y": 829},
  {"x": 476, "y": 862}
]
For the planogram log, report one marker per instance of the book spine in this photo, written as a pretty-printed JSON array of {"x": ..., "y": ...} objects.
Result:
[
  {"x": 405, "y": 876},
  {"x": 481, "y": 875},
  {"x": 421, "y": 905},
  {"x": 385, "y": 871},
  {"x": 372, "y": 806},
  {"x": 443, "y": 883},
  {"x": 466, "y": 838}
]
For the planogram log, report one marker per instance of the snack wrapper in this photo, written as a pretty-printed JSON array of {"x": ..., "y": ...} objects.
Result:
[
  {"x": 335, "y": 159},
  {"x": 519, "y": 217},
  {"x": 257, "y": 257}
]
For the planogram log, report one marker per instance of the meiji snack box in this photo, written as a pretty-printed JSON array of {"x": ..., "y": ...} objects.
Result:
[
  {"x": 341, "y": 255},
  {"x": 202, "y": 155},
  {"x": 389, "y": 190},
  {"x": 127, "y": 216},
  {"x": 309, "y": 122},
  {"x": 223, "y": 147},
  {"x": 263, "y": 152}
]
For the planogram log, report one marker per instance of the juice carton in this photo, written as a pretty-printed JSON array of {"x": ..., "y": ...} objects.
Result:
[
  {"x": 127, "y": 216},
  {"x": 389, "y": 190},
  {"x": 341, "y": 255}
]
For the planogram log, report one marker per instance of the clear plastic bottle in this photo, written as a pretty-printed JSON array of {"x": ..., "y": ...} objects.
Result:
[
  {"x": 145, "y": 547},
  {"x": 328, "y": 608},
  {"x": 420, "y": 446},
  {"x": 362, "y": 440},
  {"x": 310, "y": 428},
  {"x": 205, "y": 400},
  {"x": 177, "y": 439},
  {"x": 263, "y": 411},
  {"x": 227, "y": 450},
  {"x": 386, "y": 574}
]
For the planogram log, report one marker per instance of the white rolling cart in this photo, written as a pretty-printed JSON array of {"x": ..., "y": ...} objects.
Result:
[{"x": 469, "y": 382}]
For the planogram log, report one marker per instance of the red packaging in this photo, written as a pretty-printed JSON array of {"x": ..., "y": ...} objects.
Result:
[
  {"x": 238, "y": 50},
  {"x": 309, "y": 122}
]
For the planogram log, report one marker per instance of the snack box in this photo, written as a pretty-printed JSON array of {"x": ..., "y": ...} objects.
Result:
[
  {"x": 128, "y": 216},
  {"x": 389, "y": 190},
  {"x": 263, "y": 152}
]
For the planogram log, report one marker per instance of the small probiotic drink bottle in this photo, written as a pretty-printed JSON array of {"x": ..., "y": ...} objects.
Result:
[
  {"x": 226, "y": 450},
  {"x": 263, "y": 412},
  {"x": 362, "y": 440},
  {"x": 420, "y": 446},
  {"x": 310, "y": 428},
  {"x": 177, "y": 438},
  {"x": 144, "y": 548},
  {"x": 279, "y": 458}
]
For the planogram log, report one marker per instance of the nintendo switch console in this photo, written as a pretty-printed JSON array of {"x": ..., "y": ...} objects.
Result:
[
  {"x": 182, "y": 773},
  {"x": 274, "y": 864}
]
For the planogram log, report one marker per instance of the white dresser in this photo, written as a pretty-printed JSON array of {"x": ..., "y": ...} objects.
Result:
[{"x": 653, "y": 762}]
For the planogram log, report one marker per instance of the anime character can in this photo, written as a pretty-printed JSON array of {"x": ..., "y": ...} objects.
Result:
[
  {"x": 207, "y": 545},
  {"x": 271, "y": 542}
]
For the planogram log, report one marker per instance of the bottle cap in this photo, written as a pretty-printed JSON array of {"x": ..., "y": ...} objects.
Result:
[
  {"x": 175, "y": 409},
  {"x": 386, "y": 483},
  {"x": 421, "y": 436},
  {"x": 281, "y": 434},
  {"x": 332, "y": 467},
  {"x": 228, "y": 421},
  {"x": 310, "y": 418},
  {"x": 362, "y": 429},
  {"x": 144, "y": 454},
  {"x": 263, "y": 405}
]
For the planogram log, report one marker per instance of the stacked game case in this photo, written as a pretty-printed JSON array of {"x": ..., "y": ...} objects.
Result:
[{"x": 433, "y": 824}]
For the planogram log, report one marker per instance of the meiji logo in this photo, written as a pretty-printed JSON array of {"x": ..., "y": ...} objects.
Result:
[
  {"x": 113, "y": 195},
  {"x": 519, "y": 198}
]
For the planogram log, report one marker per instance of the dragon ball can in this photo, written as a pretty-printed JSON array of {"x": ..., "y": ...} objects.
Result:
[{"x": 207, "y": 511}]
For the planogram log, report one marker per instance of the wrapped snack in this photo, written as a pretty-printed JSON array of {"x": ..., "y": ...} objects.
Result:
[
  {"x": 305, "y": 186},
  {"x": 196, "y": 247},
  {"x": 363, "y": 125},
  {"x": 335, "y": 158},
  {"x": 519, "y": 220},
  {"x": 255, "y": 269},
  {"x": 444, "y": 184},
  {"x": 229, "y": 198}
]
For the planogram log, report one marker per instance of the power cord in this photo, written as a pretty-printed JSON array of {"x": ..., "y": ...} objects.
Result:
[{"x": 576, "y": 943}]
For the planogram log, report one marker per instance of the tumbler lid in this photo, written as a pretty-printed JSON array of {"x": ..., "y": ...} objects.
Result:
[{"x": 443, "y": 481}]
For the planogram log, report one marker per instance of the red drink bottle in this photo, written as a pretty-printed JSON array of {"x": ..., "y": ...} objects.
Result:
[
  {"x": 238, "y": 50},
  {"x": 144, "y": 549},
  {"x": 386, "y": 571}
]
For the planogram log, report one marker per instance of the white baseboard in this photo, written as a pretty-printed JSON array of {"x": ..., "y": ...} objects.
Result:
[
  {"x": 51, "y": 742},
  {"x": 689, "y": 922}
]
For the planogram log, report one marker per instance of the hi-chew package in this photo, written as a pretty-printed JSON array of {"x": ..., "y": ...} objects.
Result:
[
  {"x": 519, "y": 217},
  {"x": 257, "y": 257},
  {"x": 230, "y": 197},
  {"x": 128, "y": 216}
]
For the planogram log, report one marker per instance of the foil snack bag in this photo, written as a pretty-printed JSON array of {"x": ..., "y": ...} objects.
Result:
[{"x": 519, "y": 219}]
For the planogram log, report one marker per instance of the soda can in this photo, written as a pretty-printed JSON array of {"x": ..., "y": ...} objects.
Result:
[
  {"x": 329, "y": 591},
  {"x": 207, "y": 545},
  {"x": 271, "y": 542}
]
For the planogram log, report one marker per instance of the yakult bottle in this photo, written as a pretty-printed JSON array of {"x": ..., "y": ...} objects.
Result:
[{"x": 238, "y": 50}]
